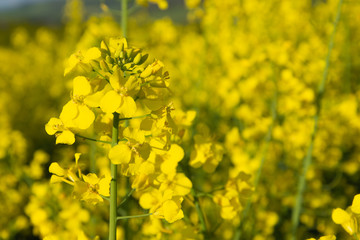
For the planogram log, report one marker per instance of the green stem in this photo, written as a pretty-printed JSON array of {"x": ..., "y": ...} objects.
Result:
[
  {"x": 101, "y": 75},
  {"x": 268, "y": 139},
  {"x": 129, "y": 118},
  {"x": 308, "y": 158},
  {"x": 113, "y": 183},
  {"x": 200, "y": 213},
  {"x": 91, "y": 139},
  {"x": 124, "y": 16},
  {"x": 93, "y": 156},
  {"x": 127, "y": 196},
  {"x": 134, "y": 216}
]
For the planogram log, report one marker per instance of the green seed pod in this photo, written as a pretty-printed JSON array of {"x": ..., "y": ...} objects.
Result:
[
  {"x": 135, "y": 53},
  {"x": 104, "y": 66},
  {"x": 143, "y": 59},
  {"x": 85, "y": 67},
  {"x": 95, "y": 64}
]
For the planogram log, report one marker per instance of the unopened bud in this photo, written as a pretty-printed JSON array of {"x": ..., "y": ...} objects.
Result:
[
  {"x": 137, "y": 58},
  {"x": 109, "y": 60},
  {"x": 147, "y": 72}
]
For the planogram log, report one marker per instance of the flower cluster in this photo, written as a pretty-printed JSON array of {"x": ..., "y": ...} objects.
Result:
[{"x": 115, "y": 78}]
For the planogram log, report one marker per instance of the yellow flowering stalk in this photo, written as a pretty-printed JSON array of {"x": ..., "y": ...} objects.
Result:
[{"x": 113, "y": 83}]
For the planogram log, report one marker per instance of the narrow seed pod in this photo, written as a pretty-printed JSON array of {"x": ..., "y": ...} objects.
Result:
[
  {"x": 95, "y": 64},
  {"x": 143, "y": 59},
  {"x": 104, "y": 66}
]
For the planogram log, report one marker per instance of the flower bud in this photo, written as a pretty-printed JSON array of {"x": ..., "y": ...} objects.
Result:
[{"x": 137, "y": 58}]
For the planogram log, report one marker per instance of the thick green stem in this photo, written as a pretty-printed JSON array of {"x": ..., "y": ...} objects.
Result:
[
  {"x": 113, "y": 184},
  {"x": 308, "y": 158},
  {"x": 124, "y": 16}
]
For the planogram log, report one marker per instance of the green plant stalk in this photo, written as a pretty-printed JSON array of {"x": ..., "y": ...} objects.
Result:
[
  {"x": 355, "y": 236},
  {"x": 196, "y": 195},
  {"x": 200, "y": 213},
  {"x": 124, "y": 16},
  {"x": 127, "y": 197},
  {"x": 268, "y": 139},
  {"x": 308, "y": 158},
  {"x": 113, "y": 183},
  {"x": 92, "y": 139}
]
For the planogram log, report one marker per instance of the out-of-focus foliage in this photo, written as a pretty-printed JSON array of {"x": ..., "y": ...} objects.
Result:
[{"x": 239, "y": 71}]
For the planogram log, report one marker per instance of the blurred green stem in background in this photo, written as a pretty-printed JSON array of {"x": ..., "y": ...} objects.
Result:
[{"x": 308, "y": 158}]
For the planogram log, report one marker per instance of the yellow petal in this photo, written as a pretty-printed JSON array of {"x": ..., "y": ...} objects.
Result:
[
  {"x": 176, "y": 153},
  {"x": 115, "y": 79},
  {"x": 56, "y": 179},
  {"x": 81, "y": 86},
  {"x": 71, "y": 63},
  {"x": 110, "y": 102},
  {"x": 128, "y": 107},
  {"x": 114, "y": 43},
  {"x": 93, "y": 100},
  {"x": 85, "y": 118},
  {"x": 355, "y": 207},
  {"x": 66, "y": 137},
  {"x": 53, "y": 126},
  {"x": 329, "y": 237},
  {"x": 69, "y": 112},
  {"x": 169, "y": 167},
  {"x": 104, "y": 186},
  {"x": 92, "y": 54},
  {"x": 56, "y": 169},
  {"x": 147, "y": 201},
  {"x": 339, "y": 216},
  {"x": 183, "y": 185},
  {"x": 120, "y": 154},
  {"x": 147, "y": 168},
  {"x": 134, "y": 135},
  {"x": 172, "y": 212},
  {"x": 91, "y": 178}
]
